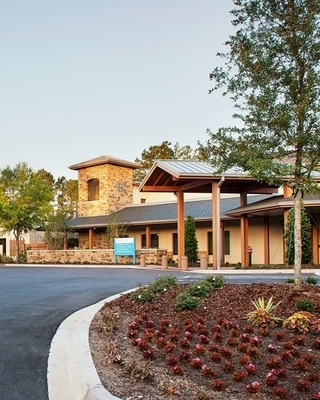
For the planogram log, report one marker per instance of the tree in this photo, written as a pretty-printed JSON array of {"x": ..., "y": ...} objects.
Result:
[
  {"x": 191, "y": 242},
  {"x": 306, "y": 257},
  {"x": 272, "y": 75},
  {"x": 65, "y": 208},
  {"x": 25, "y": 200},
  {"x": 115, "y": 229},
  {"x": 163, "y": 151}
]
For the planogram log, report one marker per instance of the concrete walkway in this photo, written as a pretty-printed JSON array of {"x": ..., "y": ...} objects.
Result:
[{"x": 71, "y": 372}]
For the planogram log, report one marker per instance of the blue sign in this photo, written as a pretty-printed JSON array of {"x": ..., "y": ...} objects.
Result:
[{"x": 125, "y": 247}]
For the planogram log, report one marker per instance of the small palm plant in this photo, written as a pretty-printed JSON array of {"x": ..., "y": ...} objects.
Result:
[{"x": 263, "y": 314}]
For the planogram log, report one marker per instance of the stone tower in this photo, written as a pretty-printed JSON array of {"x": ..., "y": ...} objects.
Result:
[{"x": 105, "y": 185}]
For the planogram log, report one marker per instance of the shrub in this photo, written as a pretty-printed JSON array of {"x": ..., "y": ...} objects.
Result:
[
  {"x": 144, "y": 295},
  {"x": 312, "y": 280},
  {"x": 185, "y": 301},
  {"x": 305, "y": 305},
  {"x": 199, "y": 289},
  {"x": 263, "y": 313},
  {"x": 216, "y": 281},
  {"x": 299, "y": 321},
  {"x": 162, "y": 283}
]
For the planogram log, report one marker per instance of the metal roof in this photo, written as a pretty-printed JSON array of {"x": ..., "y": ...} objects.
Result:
[
  {"x": 105, "y": 160},
  {"x": 144, "y": 214},
  {"x": 197, "y": 177}
]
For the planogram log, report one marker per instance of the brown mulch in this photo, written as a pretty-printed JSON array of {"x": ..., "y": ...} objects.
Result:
[{"x": 219, "y": 326}]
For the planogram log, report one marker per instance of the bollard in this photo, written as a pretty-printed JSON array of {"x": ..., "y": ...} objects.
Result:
[
  {"x": 164, "y": 262},
  {"x": 142, "y": 260},
  {"x": 184, "y": 263},
  {"x": 204, "y": 262}
]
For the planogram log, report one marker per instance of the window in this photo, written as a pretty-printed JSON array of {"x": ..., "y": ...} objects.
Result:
[
  {"x": 174, "y": 243},
  {"x": 154, "y": 240},
  {"x": 93, "y": 189},
  {"x": 226, "y": 243}
]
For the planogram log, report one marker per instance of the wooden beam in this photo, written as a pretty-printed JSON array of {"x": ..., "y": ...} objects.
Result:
[
  {"x": 195, "y": 184},
  {"x": 315, "y": 244},
  {"x": 266, "y": 240},
  {"x": 214, "y": 225},
  {"x": 160, "y": 188},
  {"x": 180, "y": 213},
  {"x": 90, "y": 244},
  {"x": 148, "y": 237}
]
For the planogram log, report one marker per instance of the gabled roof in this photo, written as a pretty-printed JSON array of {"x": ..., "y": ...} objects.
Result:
[
  {"x": 197, "y": 177},
  {"x": 161, "y": 213},
  {"x": 273, "y": 205},
  {"x": 104, "y": 160}
]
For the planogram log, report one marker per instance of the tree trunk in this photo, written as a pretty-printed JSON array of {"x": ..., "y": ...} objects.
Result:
[{"x": 297, "y": 240}]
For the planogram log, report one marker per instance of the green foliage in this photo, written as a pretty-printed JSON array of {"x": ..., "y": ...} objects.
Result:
[
  {"x": 185, "y": 301},
  {"x": 191, "y": 242},
  {"x": 289, "y": 280},
  {"x": 311, "y": 280},
  {"x": 64, "y": 208},
  {"x": 305, "y": 237},
  {"x": 25, "y": 199},
  {"x": 115, "y": 229},
  {"x": 263, "y": 313},
  {"x": 163, "y": 283},
  {"x": 148, "y": 293},
  {"x": 305, "y": 305},
  {"x": 199, "y": 289},
  {"x": 6, "y": 260},
  {"x": 299, "y": 321},
  {"x": 163, "y": 151},
  {"x": 143, "y": 295},
  {"x": 271, "y": 71},
  {"x": 216, "y": 281}
]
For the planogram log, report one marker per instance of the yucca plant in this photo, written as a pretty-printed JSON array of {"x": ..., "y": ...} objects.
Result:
[{"x": 263, "y": 313}]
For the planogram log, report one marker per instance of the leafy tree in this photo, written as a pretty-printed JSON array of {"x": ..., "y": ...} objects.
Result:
[
  {"x": 114, "y": 229},
  {"x": 163, "y": 151},
  {"x": 25, "y": 200},
  {"x": 65, "y": 208},
  {"x": 305, "y": 237},
  {"x": 272, "y": 74},
  {"x": 191, "y": 242}
]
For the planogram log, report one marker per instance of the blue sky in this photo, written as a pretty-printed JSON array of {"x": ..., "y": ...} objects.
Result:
[{"x": 80, "y": 79}]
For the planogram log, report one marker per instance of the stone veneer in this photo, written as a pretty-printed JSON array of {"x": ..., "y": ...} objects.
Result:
[
  {"x": 153, "y": 256},
  {"x": 111, "y": 198}
]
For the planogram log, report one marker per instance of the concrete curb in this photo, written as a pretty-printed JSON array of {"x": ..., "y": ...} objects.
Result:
[{"x": 71, "y": 373}]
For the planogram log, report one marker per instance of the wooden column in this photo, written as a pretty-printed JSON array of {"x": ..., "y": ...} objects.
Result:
[
  {"x": 244, "y": 228},
  {"x": 223, "y": 249},
  {"x": 266, "y": 240},
  {"x": 90, "y": 238},
  {"x": 180, "y": 213},
  {"x": 215, "y": 226},
  {"x": 315, "y": 244},
  {"x": 148, "y": 237}
]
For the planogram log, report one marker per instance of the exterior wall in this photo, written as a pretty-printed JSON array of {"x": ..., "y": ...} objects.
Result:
[
  {"x": 152, "y": 256},
  {"x": 110, "y": 198},
  {"x": 99, "y": 239},
  {"x": 276, "y": 231}
]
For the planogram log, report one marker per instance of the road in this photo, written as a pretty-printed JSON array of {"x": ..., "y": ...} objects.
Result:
[{"x": 34, "y": 301}]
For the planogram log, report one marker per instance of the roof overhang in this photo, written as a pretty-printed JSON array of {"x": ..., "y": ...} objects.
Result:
[{"x": 198, "y": 177}]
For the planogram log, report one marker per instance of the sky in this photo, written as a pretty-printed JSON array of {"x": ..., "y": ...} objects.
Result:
[{"x": 84, "y": 78}]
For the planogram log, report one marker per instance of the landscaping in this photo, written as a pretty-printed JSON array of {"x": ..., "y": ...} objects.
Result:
[{"x": 210, "y": 340}]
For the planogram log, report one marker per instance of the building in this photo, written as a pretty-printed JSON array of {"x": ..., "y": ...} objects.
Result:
[{"x": 234, "y": 214}]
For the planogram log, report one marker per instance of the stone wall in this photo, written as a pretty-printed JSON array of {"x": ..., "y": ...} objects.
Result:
[
  {"x": 153, "y": 256},
  {"x": 112, "y": 195}
]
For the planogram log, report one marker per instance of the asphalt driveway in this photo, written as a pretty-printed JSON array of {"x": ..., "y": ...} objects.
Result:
[{"x": 33, "y": 303}]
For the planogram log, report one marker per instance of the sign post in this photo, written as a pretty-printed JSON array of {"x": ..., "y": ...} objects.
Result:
[{"x": 124, "y": 247}]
